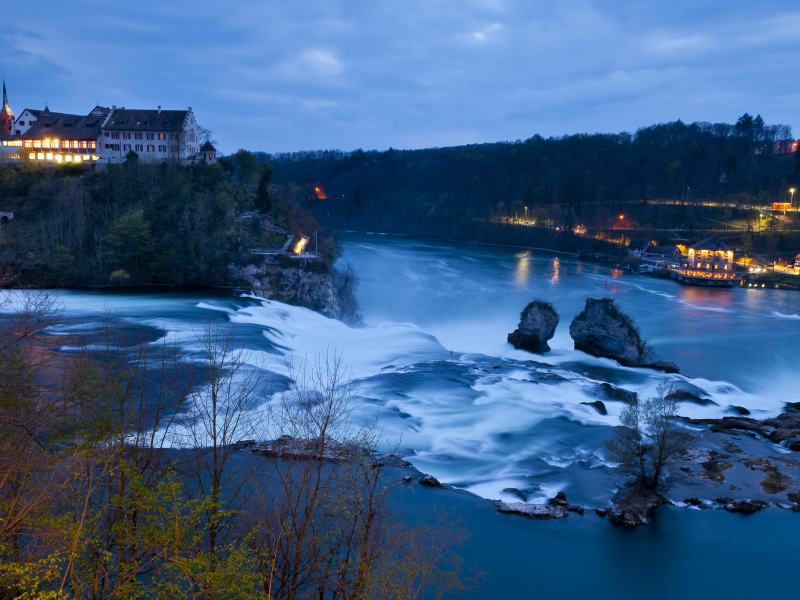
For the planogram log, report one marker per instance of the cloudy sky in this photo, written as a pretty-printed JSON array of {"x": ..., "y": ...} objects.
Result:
[{"x": 315, "y": 74}]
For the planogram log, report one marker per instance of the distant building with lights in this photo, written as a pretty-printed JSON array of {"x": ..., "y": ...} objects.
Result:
[
  {"x": 709, "y": 262},
  {"x": 105, "y": 135}
]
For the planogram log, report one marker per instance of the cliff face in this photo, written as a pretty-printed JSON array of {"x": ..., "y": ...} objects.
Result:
[{"x": 292, "y": 285}]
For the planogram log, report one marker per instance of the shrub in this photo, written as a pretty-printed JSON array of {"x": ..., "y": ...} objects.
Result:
[{"x": 538, "y": 303}]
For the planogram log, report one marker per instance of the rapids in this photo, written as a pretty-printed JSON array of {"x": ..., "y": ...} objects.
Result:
[{"x": 431, "y": 357}]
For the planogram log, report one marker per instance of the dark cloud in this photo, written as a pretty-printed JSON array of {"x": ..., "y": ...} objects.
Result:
[{"x": 320, "y": 73}]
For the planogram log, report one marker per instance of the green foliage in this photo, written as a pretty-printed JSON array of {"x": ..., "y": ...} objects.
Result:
[
  {"x": 263, "y": 201},
  {"x": 538, "y": 303},
  {"x": 462, "y": 193},
  {"x": 139, "y": 223}
]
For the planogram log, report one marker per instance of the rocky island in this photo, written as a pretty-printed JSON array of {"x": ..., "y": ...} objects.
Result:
[
  {"x": 602, "y": 329},
  {"x": 537, "y": 325}
]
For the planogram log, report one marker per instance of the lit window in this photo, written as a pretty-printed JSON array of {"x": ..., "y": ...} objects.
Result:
[
  {"x": 92, "y": 144},
  {"x": 49, "y": 156},
  {"x": 68, "y": 158},
  {"x": 28, "y": 143},
  {"x": 46, "y": 144},
  {"x": 31, "y": 155}
]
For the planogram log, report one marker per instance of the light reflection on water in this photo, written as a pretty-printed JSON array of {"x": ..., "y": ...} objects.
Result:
[{"x": 522, "y": 272}]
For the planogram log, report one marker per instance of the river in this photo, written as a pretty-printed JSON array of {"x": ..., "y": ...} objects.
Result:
[{"x": 431, "y": 359}]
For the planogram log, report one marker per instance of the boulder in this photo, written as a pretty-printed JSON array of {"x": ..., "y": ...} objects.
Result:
[
  {"x": 532, "y": 511},
  {"x": 598, "y": 406},
  {"x": 537, "y": 325},
  {"x": 430, "y": 481},
  {"x": 601, "y": 512},
  {"x": 578, "y": 508},
  {"x": 560, "y": 499},
  {"x": 663, "y": 365},
  {"x": 687, "y": 396},
  {"x": 610, "y": 392},
  {"x": 739, "y": 409},
  {"x": 626, "y": 517},
  {"x": 516, "y": 492},
  {"x": 793, "y": 445},
  {"x": 601, "y": 329},
  {"x": 633, "y": 507},
  {"x": 693, "y": 501}
]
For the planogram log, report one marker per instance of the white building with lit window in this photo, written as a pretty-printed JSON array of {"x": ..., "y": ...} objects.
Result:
[
  {"x": 709, "y": 262},
  {"x": 154, "y": 135},
  {"x": 105, "y": 135}
]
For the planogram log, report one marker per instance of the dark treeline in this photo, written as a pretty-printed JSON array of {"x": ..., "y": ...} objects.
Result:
[
  {"x": 462, "y": 192},
  {"x": 137, "y": 223}
]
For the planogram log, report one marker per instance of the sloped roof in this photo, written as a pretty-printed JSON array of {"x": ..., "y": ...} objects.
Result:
[
  {"x": 99, "y": 110},
  {"x": 638, "y": 244},
  {"x": 38, "y": 113},
  {"x": 65, "y": 127},
  {"x": 146, "y": 120},
  {"x": 208, "y": 147},
  {"x": 712, "y": 242}
]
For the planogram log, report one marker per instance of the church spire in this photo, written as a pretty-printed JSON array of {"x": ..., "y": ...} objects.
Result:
[
  {"x": 6, "y": 108},
  {"x": 6, "y": 116}
]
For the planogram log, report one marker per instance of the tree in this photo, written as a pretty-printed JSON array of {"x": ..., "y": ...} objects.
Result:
[
  {"x": 263, "y": 201},
  {"x": 747, "y": 246},
  {"x": 132, "y": 241},
  {"x": 244, "y": 165},
  {"x": 649, "y": 438}
]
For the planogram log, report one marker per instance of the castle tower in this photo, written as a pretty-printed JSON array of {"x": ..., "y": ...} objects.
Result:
[{"x": 6, "y": 116}]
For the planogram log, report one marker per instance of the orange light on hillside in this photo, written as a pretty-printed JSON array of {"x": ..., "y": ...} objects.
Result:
[
  {"x": 300, "y": 245},
  {"x": 622, "y": 216}
]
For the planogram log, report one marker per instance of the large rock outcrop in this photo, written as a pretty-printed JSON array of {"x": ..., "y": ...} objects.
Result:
[
  {"x": 601, "y": 329},
  {"x": 537, "y": 325},
  {"x": 290, "y": 285}
]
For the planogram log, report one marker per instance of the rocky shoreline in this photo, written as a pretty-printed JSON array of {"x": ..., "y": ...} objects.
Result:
[{"x": 290, "y": 285}]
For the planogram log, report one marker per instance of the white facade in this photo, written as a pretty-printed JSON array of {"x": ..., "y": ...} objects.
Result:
[
  {"x": 150, "y": 143},
  {"x": 23, "y": 122}
]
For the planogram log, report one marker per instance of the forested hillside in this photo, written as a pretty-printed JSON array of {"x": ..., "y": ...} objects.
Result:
[
  {"x": 463, "y": 192},
  {"x": 137, "y": 223}
]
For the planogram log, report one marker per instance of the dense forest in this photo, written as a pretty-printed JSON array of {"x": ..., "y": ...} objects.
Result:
[
  {"x": 471, "y": 192},
  {"x": 138, "y": 223}
]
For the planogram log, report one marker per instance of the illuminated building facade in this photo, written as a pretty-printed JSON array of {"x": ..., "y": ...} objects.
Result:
[
  {"x": 61, "y": 138},
  {"x": 152, "y": 134},
  {"x": 709, "y": 262},
  {"x": 105, "y": 135}
]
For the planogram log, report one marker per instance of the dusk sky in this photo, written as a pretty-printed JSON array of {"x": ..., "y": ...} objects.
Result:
[{"x": 313, "y": 74}]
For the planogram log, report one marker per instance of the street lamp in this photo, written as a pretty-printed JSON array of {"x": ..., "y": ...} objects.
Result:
[{"x": 791, "y": 204}]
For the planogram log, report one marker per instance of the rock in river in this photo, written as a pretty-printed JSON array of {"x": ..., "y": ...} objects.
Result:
[
  {"x": 430, "y": 481},
  {"x": 601, "y": 329},
  {"x": 532, "y": 511},
  {"x": 538, "y": 322}
]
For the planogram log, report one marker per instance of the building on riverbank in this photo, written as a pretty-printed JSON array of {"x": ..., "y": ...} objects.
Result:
[
  {"x": 105, "y": 135},
  {"x": 709, "y": 262}
]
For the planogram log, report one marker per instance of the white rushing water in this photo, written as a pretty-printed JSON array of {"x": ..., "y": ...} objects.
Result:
[{"x": 483, "y": 417}]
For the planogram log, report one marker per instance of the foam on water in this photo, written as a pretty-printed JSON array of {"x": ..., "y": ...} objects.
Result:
[{"x": 486, "y": 418}]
